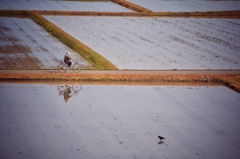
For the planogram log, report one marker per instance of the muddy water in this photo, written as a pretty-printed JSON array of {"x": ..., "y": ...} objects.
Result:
[{"x": 118, "y": 121}]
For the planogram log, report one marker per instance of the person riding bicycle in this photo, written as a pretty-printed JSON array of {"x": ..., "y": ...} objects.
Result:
[{"x": 67, "y": 59}]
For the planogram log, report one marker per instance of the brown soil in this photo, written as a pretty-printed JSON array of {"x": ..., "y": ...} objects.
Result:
[{"x": 17, "y": 56}]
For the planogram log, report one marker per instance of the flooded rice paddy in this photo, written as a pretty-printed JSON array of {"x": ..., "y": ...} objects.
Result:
[{"x": 118, "y": 121}]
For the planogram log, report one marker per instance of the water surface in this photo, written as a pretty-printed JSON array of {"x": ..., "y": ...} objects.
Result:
[{"x": 118, "y": 121}]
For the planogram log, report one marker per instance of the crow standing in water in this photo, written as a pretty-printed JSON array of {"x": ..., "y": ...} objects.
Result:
[{"x": 161, "y": 138}]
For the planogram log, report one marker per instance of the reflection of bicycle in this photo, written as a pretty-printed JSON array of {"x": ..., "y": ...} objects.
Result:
[
  {"x": 63, "y": 67},
  {"x": 64, "y": 87},
  {"x": 67, "y": 90}
]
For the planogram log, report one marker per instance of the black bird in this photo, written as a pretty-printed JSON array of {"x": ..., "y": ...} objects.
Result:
[{"x": 161, "y": 138}]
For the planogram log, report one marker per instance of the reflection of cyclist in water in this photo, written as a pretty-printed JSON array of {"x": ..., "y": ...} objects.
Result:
[
  {"x": 67, "y": 94},
  {"x": 68, "y": 90}
]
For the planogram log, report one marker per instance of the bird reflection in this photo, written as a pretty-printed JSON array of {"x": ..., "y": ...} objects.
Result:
[{"x": 160, "y": 142}]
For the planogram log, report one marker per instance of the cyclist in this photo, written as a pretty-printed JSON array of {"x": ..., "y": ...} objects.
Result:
[{"x": 67, "y": 59}]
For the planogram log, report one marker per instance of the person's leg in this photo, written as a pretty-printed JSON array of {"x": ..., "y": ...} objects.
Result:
[{"x": 69, "y": 63}]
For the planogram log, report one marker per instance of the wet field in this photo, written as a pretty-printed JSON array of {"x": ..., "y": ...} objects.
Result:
[{"x": 62, "y": 120}]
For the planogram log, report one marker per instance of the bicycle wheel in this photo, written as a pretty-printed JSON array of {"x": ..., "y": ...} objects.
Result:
[
  {"x": 76, "y": 67},
  {"x": 77, "y": 88},
  {"x": 62, "y": 87},
  {"x": 62, "y": 67}
]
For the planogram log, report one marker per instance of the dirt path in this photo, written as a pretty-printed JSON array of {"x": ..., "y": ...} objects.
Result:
[
  {"x": 230, "y": 78},
  {"x": 129, "y": 72},
  {"x": 127, "y": 75}
]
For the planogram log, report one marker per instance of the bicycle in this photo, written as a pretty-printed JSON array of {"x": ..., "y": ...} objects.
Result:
[
  {"x": 68, "y": 91},
  {"x": 63, "y": 67},
  {"x": 64, "y": 87}
]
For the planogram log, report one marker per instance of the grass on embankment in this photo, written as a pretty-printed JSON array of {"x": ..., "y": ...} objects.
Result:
[{"x": 98, "y": 61}]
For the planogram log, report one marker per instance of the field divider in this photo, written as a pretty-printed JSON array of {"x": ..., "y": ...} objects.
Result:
[
  {"x": 229, "y": 80},
  {"x": 131, "y": 6},
  {"x": 212, "y": 14}
]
